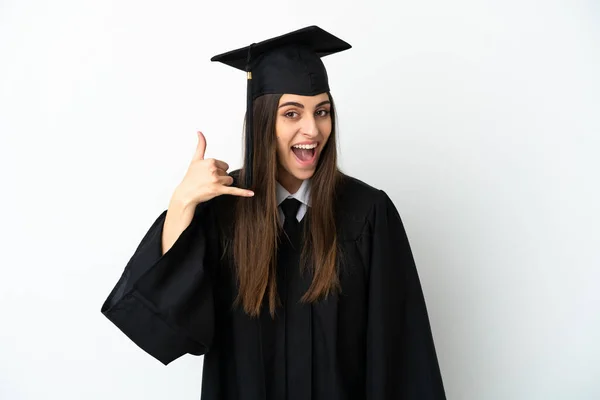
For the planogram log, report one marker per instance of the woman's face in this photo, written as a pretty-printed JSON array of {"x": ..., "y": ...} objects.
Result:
[{"x": 303, "y": 127}]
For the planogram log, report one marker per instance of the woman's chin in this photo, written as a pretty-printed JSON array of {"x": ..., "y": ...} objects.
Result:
[
  {"x": 304, "y": 174},
  {"x": 300, "y": 173}
]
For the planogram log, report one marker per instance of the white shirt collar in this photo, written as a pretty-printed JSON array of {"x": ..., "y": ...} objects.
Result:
[{"x": 303, "y": 193}]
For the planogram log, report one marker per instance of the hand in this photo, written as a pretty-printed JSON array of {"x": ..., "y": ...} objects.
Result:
[{"x": 206, "y": 179}]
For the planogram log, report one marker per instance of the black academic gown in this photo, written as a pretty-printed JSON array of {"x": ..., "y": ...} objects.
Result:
[{"x": 373, "y": 341}]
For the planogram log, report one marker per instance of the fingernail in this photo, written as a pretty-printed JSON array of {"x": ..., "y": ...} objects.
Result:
[{"x": 250, "y": 193}]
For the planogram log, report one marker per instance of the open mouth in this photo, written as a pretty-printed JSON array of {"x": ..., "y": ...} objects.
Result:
[{"x": 306, "y": 155}]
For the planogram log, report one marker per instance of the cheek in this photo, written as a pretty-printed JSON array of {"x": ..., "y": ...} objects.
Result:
[
  {"x": 325, "y": 127},
  {"x": 285, "y": 132},
  {"x": 283, "y": 138},
  {"x": 281, "y": 148}
]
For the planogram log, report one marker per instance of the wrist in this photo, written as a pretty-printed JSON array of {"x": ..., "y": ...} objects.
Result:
[{"x": 181, "y": 203}]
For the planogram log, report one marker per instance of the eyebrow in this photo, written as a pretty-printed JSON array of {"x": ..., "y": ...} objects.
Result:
[{"x": 293, "y": 103}]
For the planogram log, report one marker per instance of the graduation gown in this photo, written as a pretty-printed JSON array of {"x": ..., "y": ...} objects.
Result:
[{"x": 372, "y": 341}]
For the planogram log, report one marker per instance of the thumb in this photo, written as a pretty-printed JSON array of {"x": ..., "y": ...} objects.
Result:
[{"x": 201, "y": 147}]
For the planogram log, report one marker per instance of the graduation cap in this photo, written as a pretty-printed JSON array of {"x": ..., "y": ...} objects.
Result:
[{"x": 290, "y": 63}]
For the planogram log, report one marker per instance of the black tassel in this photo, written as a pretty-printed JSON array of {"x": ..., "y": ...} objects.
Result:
[{"x": 249, "y": 157}]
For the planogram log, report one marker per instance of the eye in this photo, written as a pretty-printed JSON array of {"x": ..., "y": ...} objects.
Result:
[
  {"x": 322, "y": 113},
  {"x": 291, "y": 114}
]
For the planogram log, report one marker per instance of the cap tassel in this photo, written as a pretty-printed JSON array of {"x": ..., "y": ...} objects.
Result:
[{"x": 249, "y": 157}]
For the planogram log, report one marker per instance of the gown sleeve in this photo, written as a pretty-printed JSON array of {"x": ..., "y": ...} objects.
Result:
[
  {"x": 401, "y": 357},
  {"x": 164, "y": 303}
]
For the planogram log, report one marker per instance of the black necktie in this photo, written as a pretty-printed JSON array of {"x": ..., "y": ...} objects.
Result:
[{"x": 291, "y": 225}]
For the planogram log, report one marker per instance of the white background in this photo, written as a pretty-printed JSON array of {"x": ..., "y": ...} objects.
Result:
[{"x": 479, "y": 118}]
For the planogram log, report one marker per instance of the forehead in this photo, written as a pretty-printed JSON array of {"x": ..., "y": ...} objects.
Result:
[{"x": 306, "y": 101}]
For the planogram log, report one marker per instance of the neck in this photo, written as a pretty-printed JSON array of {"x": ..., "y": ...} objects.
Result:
[{"x": 289, "y": 181}]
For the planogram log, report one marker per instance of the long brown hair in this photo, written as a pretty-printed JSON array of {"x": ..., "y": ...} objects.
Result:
[{"x": 257, "y": 231}]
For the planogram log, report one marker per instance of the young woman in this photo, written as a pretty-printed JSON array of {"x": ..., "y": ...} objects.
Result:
[{"x": 303, "y": 288}]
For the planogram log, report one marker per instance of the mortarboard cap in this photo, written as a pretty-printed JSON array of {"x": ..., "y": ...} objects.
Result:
[{"x": 289, "y": 63}]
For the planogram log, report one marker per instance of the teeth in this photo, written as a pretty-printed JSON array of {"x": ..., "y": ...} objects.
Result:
[{"x": 305, "y": 146}]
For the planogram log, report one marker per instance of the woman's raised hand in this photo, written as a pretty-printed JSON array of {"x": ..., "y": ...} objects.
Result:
[{"x": 205, "y": 179}]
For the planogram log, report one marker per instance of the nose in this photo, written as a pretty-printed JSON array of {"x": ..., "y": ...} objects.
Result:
[{"x": 309, "y": 126}]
